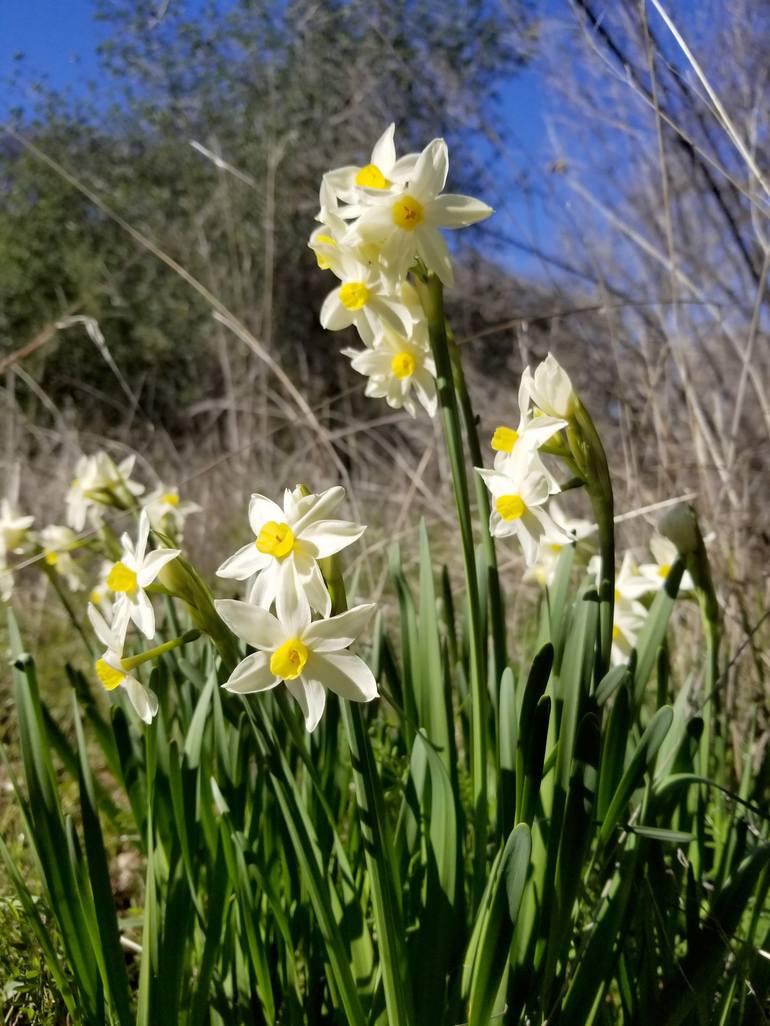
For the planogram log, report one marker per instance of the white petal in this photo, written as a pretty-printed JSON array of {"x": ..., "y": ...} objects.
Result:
[
  {"x": 535, "y": 489},
  {"x": 107, "y": 634},
  {"x": 399, "y": 251},
  {"x": 144, "y": 701},
  {"x": 529, "y": 530},
  {"x": 252, "y": 674},
  {"x": 384, "y": 152},
  {"x": 339, "y": 631},
  {"x": 432, "y": 247},
  {"x": 325, "y": 503},
  {"x": 244, "y": 563},
  {"x": 316, "y": 591},
  {"x": 371, "y": 361},
  {"x": 451, "y": 211},
  {"x": 121, "y": 617},
  {"x": 143, "y": 614},
  {"x": 430, "y": 171},
  {"x": 142, "y": 536},
  {"x": 334, "y": 316},
  {"x": 394, "y": 314},
  {"x": 375, "y": 225},
  {"x": 343, "y": 673},
  {"x": 291, "y": 604},
  {"x": 311, "y": 699},
  {"x": 498, "y": 483},
  {"x": 425, "y": 389},
  {"x": 265, "y": 585},
  {"x": 261, "y": 511},
  {"x": 326, "y": 537},
  {"x": 252, "y": 624},
  {"x": 153, "y": 564}
]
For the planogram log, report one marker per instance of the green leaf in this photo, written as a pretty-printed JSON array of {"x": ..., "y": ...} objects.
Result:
[
  {"x": 497, "y": 914},
  {"x": 115, "y": 977},
  {"x": 641, "y": 759},
  {"x": 435, "y": 942},
  {"x": 653, "y": 632}
]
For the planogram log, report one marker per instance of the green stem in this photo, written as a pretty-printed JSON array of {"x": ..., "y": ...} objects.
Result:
[
  {"x": 378, "y": 846},
  {"x": 53, "y": 577},
  {"x": 496, "y": 604},
  {"x": 591, "y": 461},
  {"x": 131, "y": 662},
  {"x": 432, "y": 299}
]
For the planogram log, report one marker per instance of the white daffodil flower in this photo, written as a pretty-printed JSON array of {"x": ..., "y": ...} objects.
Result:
[
  {"x": 112, "y": 670},
  {"x": 382, "y": 173},
  {"x": 99, "y": 481},
  {"x": 405, "y": 223},
  {"x": 629, "y": 582},
  {"x": 362, "y": 299},
  {"x": 665, "y": 554},
  {"x": 288, "y": 543},
  {"x": 14, "y": 529},
  {"x": 520, "y": 493},
  {"x": 629, "y": 616},
  {"x": 58, "y": 542},
  {"x": 135, "y": 571},
  {"x": 307, "y": 656},
  {"x": 530, "y": 433},
  {"x": 550, "y": 388},
  {"x": 328, "y": 253},
  {"x": 164, "y": 508},
  {"x": 551, "y": 545},
  {"x": 400, "y": 370}
]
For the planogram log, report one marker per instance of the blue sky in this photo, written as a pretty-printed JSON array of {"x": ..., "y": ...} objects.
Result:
[
  {"x": 59, "y": 40},
  {"x": 57, "y": 37}
]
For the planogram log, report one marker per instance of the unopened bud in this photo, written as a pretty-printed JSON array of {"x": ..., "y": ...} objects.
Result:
[{"x": 680, "y": 525}]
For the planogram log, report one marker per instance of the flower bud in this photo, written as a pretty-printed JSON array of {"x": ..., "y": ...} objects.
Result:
[
  {"x": 679, "y": 524},
  {"x": 551, "y": 389}
]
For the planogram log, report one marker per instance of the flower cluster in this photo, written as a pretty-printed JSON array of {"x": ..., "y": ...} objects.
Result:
[
  {"x": 281, "y": 564},
  {"x": 377, "y": 221},
  {"x": 635, "y": 582},
  {"x": 520, "y": 483},
  {"x": 128, "y": 568}
]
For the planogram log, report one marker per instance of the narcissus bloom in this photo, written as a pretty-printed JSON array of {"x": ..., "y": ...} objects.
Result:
[
  {"x": 382, "y": 172},
  {"x": 400, "y": 370},
  {"x": 99, "y": 481},
  {"x": 288, "y": 543},
  {"x": 519, "y": 494},
  {"x": 14, "y": 533},
  {"x": 550, "y": 388},
  {"x": 551, "y": 546},
  {"x": 14, "y": 529},
  {"x": 629, "y": 616},
  {"x": 165, "y": 508},
  {"x": 530, "y": 433},
  {"x": 665, "y": 554},
  {"x": 112, "y": 670},
  {"x": 404, "y": 223},
  {"x": 307, "y": 656},
  {"x": 58, "y": 543},
  {"x": 135, "y": 571},
  {"x": 362, "y": 299}
]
